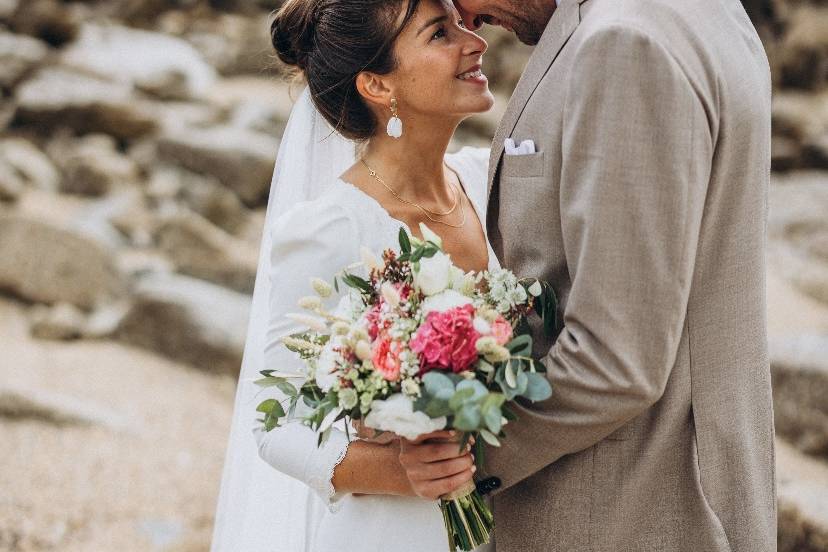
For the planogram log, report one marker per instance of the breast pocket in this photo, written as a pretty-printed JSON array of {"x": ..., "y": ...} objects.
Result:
[{"x": 523, "y": 166}]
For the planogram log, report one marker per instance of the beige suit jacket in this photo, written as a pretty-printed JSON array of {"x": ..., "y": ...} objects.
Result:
[{"x": 645, "y": 206}]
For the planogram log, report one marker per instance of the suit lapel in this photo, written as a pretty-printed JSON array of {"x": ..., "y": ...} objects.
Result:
[{"x": 560, "y": 28}]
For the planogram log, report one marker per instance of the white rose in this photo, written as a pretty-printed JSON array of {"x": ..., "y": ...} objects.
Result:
[
  {"x": 444, "y": 301},
  {"x": 348, "y": 398},
  {"x": 396, "y": 414},
  {"x": 434, "y": 275},
  {"x": 325, "y": 365}
]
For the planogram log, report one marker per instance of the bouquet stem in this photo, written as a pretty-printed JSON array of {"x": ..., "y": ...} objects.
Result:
[{"x": 469, "y": 521}]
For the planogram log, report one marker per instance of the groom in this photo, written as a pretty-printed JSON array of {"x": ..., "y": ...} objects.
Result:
[{"x": 644, "y": 203}]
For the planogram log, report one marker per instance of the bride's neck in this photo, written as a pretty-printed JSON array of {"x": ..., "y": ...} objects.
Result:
[{"x": 413, "y": 162}]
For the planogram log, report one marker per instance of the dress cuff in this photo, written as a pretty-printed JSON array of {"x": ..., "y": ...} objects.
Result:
[{"x": 324, "y": 464}]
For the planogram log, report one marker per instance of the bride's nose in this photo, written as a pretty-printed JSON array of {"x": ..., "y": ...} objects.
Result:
[{"x": 475, "y": 45}]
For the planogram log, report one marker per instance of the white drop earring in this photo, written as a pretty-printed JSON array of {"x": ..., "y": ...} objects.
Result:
[{"x": 395, "y": 126}]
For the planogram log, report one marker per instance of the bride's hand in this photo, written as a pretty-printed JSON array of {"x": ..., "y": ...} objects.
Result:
[
  {"x": 433, "y": 465},
  {"x": 370, "y": 434}
]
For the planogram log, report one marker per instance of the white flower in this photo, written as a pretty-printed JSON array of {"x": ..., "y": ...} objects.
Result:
[
  {"x": 411, "y": 387},
  {"x": 390, "y": 294},
  {"x": 444, "y": 301},
  {"x": 482, "y": 326},
  {"x": 310, "y": 302},
  {"x": 429, "y": 235},
  {"x": 363, "y": 350},
  {"x": 340, "y": 328},
  {"x": 536, "y": 289},
  {"x": 396, "y": 413},
  {"x": 434, "y": 274},
  {"x": 326, "y": 368},
  {"x": 312, "y": 322},
  {"x": 348, "y": 398},
  {"x": 321, "y": 287},
  {"x": 369, "y": 259}
]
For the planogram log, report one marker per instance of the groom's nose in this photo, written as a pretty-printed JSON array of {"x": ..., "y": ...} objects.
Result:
[{"x": 470, "y": 18}]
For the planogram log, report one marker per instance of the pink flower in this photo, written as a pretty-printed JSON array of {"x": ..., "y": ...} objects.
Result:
[
  {"x": 446, "y": 340},
  {"x": 386, "y": 358},
  {"x": 501, "y": 331},
  {"x": 372, "y": 316}
]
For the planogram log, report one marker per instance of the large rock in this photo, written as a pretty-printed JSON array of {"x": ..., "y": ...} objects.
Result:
[
  {"x": 19, "y": 55},
  {"x": 803, "y": 501},
  {"x": 50, "y": 20},
  {"x": 189, "y": 320},
  {"x": 242, "y": 160},
  {"x": 162, "y": 65},
  {"x": 7, "y": 9},
  {"x": 803, "y": 53},
  {"x": 59, "y": 97},
  {"x": 92, "y": 165},
  {"x": 800, "y": 388},
  {"x": 27, "y": 402},
  {"x": 200, "y": 249},
  {"x": 29, "y": 164},
  {"x": 44, "y": 263}
]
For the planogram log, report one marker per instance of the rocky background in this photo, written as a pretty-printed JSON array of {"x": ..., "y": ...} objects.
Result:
[{"x": 137, "y": 141}]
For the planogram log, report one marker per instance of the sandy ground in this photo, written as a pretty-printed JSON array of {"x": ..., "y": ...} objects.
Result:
[{"x": 152, "y": 484}]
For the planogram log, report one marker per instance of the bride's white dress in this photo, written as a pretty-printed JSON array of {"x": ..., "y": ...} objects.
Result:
[{"x": 317, "y": 239}]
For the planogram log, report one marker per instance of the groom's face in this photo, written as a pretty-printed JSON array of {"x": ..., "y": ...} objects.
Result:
[{"x": 526, "y": 18}]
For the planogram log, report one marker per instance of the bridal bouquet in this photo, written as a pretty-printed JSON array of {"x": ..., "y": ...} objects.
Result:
[{"x": 418, "y": 346}]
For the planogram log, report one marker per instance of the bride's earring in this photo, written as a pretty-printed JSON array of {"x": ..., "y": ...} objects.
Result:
[{"x": 395, "y": 126}]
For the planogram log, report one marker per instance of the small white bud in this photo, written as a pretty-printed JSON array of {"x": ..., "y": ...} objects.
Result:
[
  {"x": 482, "y": 326},
  {"x": 312, "y": 322},
  {"x": 429, "y": 235},
  {"x": 370, "y": 260},
  {"x": 485, "y": 345},
  {"x": 498, "y": 354},
  {"x": 340, "y": 328},
  {"x": 310, "y": 302},
  {"x": 390, "y": 294},
  {"x": 321, "y": 287},
  {"x": 363, "y": 350}
]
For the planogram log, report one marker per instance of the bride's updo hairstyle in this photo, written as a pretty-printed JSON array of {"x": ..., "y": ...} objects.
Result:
[{"x": 330, "y": 42}]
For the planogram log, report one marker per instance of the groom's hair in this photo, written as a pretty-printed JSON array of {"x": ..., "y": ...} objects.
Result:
[{"x": 330, "y": 42}]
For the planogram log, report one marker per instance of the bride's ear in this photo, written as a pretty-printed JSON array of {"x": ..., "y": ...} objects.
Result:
[{"x": 375, "y": 89}]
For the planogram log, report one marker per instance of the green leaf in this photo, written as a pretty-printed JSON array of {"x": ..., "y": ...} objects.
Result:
[
  {"x": 511, "y": 380},
  {"x": 438, "y": 407},
  {"x": 336, "y": 284},
  {"x": 476, "y": 386},
  {"x": 493, "y": 417},
  {"x": 405, "y": 242},
  {"x": 461, "y": 397},
  {"x": 287, "y": 388},
  {"x": 521, "y": 345},
  {"x": 538, "y": 388},
  {"x": 489, "y": 437},
  {"x": 266, "y": 406},
  {"x": 468, "y": 419},
  {"x": 435, "y": 381}
]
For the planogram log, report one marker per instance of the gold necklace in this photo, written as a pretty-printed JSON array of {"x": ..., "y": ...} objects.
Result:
[{"x": 425, "y": 211}]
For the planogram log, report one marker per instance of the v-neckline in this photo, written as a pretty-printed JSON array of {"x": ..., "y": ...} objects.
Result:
[{"x": 481, "y": 217}]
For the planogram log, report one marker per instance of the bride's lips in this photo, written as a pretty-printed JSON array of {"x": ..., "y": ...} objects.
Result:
[{"x": 473, "y": 75}]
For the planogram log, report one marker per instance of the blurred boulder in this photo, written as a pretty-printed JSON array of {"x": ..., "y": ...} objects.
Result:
[
  {"x": 26, "y": 402},
  {"x": 160, "y": 65},
  {"x": 241, "y": 160},
  {"x": 29, "y": 164},
  {"x": 19, "y": 56},
  {"x": 11, "y": 185},
  {"x": 202, "y": 250},
  {"x": 802, "y": 485},
  {"x": 7, "y": 9},
  {"x": 44, "y": 263},
  {"x": 52, "y": 21},
  {"x": 62, "y": 321},
  {"x": 188, "y": 320},
  {"x": 800, "y": 387},
  {"x": 58, "y": 97},
  {"x": 803, "y": 52},
  {"x": 92, "y": 165}
]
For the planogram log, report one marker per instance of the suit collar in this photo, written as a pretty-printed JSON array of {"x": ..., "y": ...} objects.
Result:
[{"x": 560, "y": 27}]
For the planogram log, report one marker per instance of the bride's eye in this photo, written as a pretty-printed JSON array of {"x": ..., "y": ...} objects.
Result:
[{"x": 441, "y": 33}]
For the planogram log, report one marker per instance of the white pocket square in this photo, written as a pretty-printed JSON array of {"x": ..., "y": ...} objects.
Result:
[{"x": 525, "y": 148}]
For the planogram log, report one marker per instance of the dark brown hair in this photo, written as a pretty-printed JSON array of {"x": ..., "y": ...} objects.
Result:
[{"x": 331, "y": 42}]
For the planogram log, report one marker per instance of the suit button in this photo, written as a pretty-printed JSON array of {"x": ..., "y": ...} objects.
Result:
[{"x": 488, "y": 485}]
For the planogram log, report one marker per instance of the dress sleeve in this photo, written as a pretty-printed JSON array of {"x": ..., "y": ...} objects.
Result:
[{"x": 306, "y": 242}]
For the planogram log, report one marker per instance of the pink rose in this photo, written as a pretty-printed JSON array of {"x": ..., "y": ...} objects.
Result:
[
  {"x": 501, "y": 331},
  {"x": 386, "y": 358},
  {"x": 446, "y": 340},
  {"x": 372, "y": 316}
]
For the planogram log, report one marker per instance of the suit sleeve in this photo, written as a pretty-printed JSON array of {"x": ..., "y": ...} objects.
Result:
[
  {"x": 637, "y": 155},
  {"x": 305, "y": 244}
]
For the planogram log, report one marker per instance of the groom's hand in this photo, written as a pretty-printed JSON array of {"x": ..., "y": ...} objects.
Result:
[{"x": 434, "y": 465}]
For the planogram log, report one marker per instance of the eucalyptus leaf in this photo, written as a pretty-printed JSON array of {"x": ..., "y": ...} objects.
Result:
[
  {"x": 435, "y": 381},
  {"x": 511, "y": 380},
  {"x": 405, "y": 243},
  {"x": 521, "y": 345},
  {"x": 461, "y": 397},
  {"x": 539, "y": 388},
  {"x": 266, "y": 406},
  {"x": 489, "y": 437},
  {"x": 468, "y": 419}
]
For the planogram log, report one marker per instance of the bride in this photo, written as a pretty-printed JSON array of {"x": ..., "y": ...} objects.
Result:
[{"x": 394, "y": 78}]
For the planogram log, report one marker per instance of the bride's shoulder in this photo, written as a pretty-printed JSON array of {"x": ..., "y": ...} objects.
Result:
[{"x": 326, "y": 220}]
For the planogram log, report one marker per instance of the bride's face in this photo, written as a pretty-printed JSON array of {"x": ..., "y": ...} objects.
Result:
[{"x": 439, "y": 65}]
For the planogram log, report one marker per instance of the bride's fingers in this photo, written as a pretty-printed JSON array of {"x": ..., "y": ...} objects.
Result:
[
  {"x": 434, "y": 435},
  {"x": 440, "y": 470},
  {"x": 433, "y": 490},
  {"x": 412, "y": 454}
]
